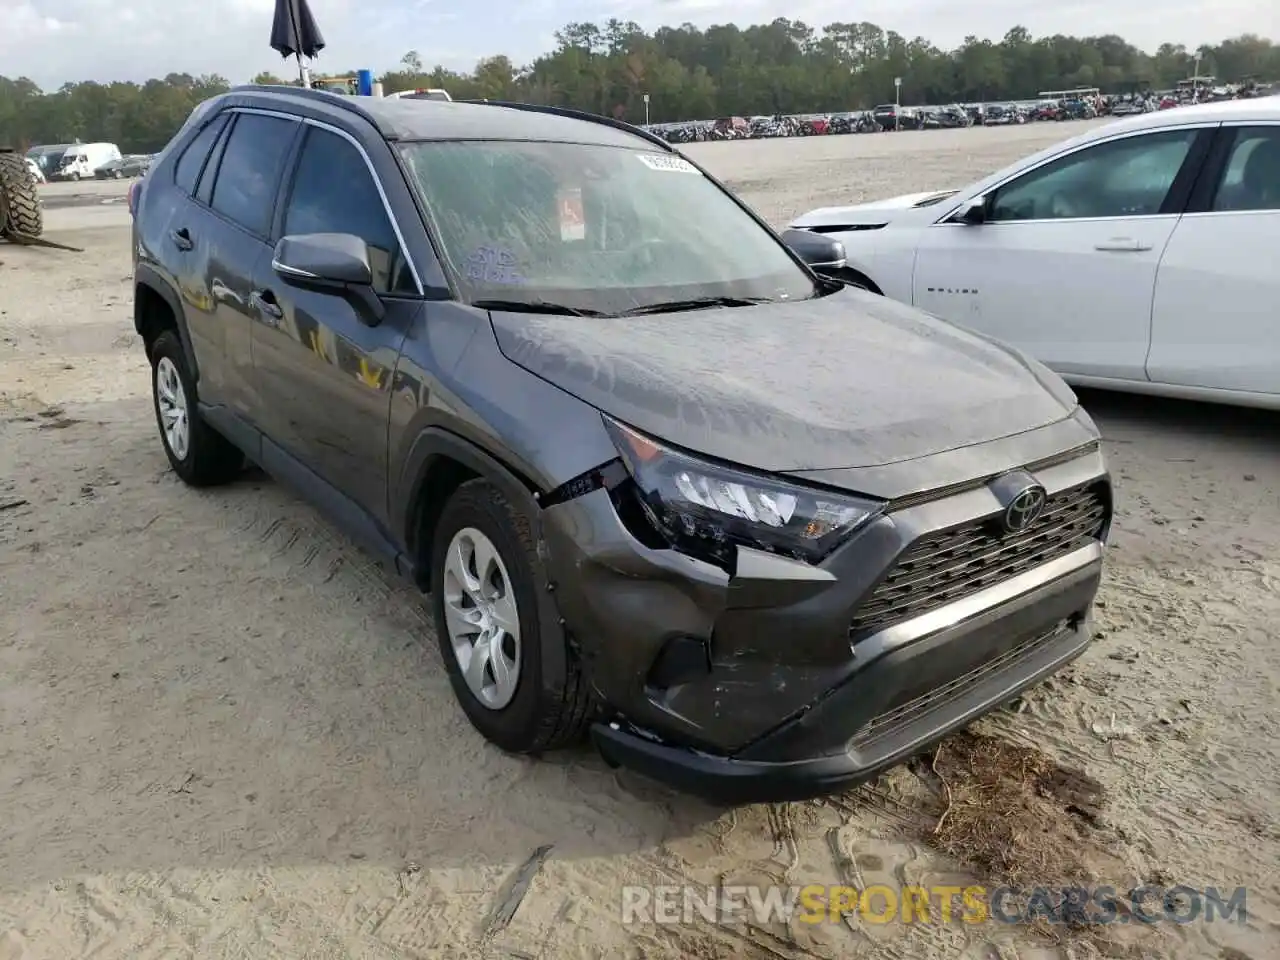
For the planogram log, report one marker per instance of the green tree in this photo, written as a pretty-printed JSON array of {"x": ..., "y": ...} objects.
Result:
[{"x": 785, "y": 66}]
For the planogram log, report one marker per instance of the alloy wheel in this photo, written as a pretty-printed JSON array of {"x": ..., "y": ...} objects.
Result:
[
  {"x": 482, "y": 618},
  {"x": 171, "y": 399}
]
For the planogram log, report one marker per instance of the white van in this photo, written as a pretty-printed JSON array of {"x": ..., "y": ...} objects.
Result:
[{"x": 81, "y": 159}]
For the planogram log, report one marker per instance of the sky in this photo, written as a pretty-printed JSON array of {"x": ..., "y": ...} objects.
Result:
[{"x": 56, "y": 41}]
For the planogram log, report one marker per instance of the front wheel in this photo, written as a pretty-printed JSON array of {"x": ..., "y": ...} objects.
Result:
[{"x": 514, "y": 675}]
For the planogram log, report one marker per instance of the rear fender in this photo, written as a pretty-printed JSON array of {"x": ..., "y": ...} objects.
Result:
[{"x": 147, "y": 276}]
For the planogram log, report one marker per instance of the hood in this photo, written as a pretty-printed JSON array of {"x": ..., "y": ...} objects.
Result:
[
  {"x": 875, "y": 212},
  {"x": 846, "y": 380}
]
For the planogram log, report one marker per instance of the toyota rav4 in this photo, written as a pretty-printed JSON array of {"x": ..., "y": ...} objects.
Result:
[{"x": 758, "y": 532}]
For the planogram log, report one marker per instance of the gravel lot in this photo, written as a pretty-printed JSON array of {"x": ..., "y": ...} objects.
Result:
[{"x": 224, "y": 732}]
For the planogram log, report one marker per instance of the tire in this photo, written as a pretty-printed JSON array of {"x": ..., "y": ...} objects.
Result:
[
  {"x": 548, "y": 704},
  {"x": 20, "y": 212},
  {"x": 199, "y": 455}
]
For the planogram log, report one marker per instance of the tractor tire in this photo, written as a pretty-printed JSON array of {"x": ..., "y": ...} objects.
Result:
[{"x": 21, "y": 216}]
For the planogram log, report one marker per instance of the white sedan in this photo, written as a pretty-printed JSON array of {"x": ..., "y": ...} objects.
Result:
[{"x": 1138, "y": 256}]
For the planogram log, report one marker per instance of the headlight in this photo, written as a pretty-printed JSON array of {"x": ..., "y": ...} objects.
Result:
[{"x": 707, "y": 509}]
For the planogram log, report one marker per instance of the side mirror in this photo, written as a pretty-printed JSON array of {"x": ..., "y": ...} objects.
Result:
[
  {"x": 818, "y": 251},
  {"x": 972, "y": 212},
  {"x": 330, "y": 262}
]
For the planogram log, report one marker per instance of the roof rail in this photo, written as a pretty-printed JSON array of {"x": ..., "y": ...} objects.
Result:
[
  {"x": 306, "y": 93},
  {"x": 572, "y": 114}
]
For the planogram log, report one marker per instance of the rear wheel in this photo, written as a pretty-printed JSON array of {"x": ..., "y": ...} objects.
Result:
[
  {"x": 515, "y": 677},
  {"x": 198, "y": 454}
]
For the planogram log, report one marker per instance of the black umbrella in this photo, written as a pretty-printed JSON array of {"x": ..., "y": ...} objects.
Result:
[{"x": 294, "y": 32}]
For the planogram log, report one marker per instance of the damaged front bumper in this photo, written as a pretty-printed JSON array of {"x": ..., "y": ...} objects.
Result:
[{"x": 760, "y": 686}]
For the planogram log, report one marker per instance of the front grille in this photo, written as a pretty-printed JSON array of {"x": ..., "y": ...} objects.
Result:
[
  {"x": 952, "y": 564},
  {"x": 901, "y": 715}
]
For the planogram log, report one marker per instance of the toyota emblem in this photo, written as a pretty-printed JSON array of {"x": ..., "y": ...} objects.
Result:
[{"x": 1024, "y": 509}]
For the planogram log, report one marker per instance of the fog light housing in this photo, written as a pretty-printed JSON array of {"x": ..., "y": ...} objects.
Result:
[{"x": 683, "y": 659}]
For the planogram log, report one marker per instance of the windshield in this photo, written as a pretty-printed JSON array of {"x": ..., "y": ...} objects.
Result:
[{"x": 599, "y": 229}]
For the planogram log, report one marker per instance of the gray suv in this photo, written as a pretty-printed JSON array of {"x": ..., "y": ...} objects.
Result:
[{"x": 759, "y": 532}]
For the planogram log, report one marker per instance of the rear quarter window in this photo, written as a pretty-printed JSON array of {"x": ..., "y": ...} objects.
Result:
[{"x": 191, "y": 162}]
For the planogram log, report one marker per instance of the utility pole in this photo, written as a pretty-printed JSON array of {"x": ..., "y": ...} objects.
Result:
[{"x": 646, "y": 109}]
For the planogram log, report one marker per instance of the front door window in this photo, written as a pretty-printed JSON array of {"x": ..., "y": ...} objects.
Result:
[{"x": 1129, "y": 177}]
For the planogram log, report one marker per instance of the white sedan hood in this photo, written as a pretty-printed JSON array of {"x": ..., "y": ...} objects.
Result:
[{"x": 876, "y": 212}]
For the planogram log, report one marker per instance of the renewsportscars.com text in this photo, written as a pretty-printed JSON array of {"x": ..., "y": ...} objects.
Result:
[{"x": 937, "y": 904}]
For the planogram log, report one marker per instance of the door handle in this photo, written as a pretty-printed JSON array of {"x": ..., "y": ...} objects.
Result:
[
  {"x": 182, "y": 239},
  {"x": 1122, "y": 245},
  {"x": 264, "y": 301}
]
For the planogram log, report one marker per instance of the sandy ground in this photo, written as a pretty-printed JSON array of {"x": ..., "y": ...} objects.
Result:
[{"x": 224, "y": 732}]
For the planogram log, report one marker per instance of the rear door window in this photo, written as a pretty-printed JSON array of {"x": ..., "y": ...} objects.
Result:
[
  {"x": 249, "y": 174},
  {"x": 193, "y": 157},
  {"x": 1251, "y": 180}
]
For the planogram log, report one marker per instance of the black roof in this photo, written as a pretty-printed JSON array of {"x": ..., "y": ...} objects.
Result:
[{"x": 399, "y": 118}]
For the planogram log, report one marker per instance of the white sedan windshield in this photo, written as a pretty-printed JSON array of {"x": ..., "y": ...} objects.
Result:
[{"x": 597, "y": 228}]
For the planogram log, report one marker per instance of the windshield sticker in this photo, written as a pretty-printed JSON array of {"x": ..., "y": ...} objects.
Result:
[
  {"x": 573, "y": 222},
  {"x": 492, "y": 265},
  {"x": 667, "y": 163}
]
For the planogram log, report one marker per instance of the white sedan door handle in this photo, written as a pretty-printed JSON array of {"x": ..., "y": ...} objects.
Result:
[{"x": 1122, "y": 245}]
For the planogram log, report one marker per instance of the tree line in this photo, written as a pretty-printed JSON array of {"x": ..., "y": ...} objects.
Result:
[{"x": 778, "y": 68}]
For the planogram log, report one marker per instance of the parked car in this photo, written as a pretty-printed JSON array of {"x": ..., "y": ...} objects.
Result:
[
  {"x": 1077, "y": 110},
  {"x": 1131, "y": 106},
  {"x": 910, "y": 118},
  {"x": 548, "y": 368},
  {"x": 1002, "y": 114},
  {"x": 887, "y": 115},
  {"x": 47, "y": 157},
  {"x": 421, "y": 93},
  {"x": 731, "y": 128},
  {"x": 133, "y": 165},
  {"x": 1166, "y": 223},
  {"x": 943, "y": 118},
  {"x": 81, "y": 159},
  {"x": 36, "y": 173}
]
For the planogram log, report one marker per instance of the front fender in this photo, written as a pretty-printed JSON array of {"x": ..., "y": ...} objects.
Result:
[{"x": 435, "y": 443}]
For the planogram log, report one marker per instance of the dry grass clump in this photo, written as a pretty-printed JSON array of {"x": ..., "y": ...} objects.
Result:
[{"x": 1014, "y": 814}]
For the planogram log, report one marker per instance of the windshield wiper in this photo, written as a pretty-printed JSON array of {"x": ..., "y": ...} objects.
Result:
[
  {"x": 696, "y": 303},
  {"x": 536, "y": 306}
]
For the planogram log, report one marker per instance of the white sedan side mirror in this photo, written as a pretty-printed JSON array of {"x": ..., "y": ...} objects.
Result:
[{"x": 972, "y": 212}]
